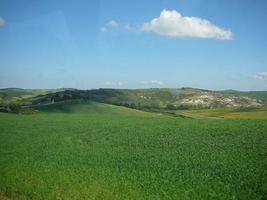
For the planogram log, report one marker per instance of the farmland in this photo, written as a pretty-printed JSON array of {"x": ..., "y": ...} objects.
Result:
[
  {"x": 90, "y": 150},
  {"x": 260, "y": 113}
]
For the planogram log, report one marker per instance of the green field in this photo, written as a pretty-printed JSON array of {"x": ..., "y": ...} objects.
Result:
[
  {"x": 227, "y": 113},
  {"x": 83, "y": 150}
]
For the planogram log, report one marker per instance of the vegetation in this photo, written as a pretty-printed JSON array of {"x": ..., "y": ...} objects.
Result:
[
  {"x": 88, "y": 150},
  {"x": 89, "y": 107},
  {"x": 142, "y": 99},
  {"x": 256, "y": 94},
  {"x": 240, "y": 113},
  {"x": 17, "y": 95},
  {"x": 101, "y": 144}
]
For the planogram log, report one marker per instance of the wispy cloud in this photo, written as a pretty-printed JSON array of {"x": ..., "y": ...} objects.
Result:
[
  {"x": 113, "y": 84},
  {"x": 128, "y": 27},
  {"x": 103, "y": 29},
  {"x": 118, "y": 26},
  {"x": 113, "y": 24},
  {"x": 152, "y": 82},
  {"x": 261, "y": 76},
  {"x": 172, "y": 24},
  {"x": 108, "y": 25},
  {"x": 2, "y": 21}
]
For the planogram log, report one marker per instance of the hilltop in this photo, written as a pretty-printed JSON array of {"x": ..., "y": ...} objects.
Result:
[
  {"x": 164, "y": 100},
  {"x": 150, "y": 98}
]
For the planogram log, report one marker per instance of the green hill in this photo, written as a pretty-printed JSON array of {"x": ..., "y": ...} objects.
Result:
[
  {"x": 139, "y": 99},
  {"x": 92, "y": 153},
  {"x": 90, "y": 107},
  {"x": 161, "y": 100},
  {"x": 79, "y": 145},
  {"x": 254, "y": 94},
  {"x": 18, "y": 95}
]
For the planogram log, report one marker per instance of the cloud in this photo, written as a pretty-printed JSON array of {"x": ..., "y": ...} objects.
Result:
[
  {"x": 2, "y": 21},
  {"x": 261, "y": 76},
  {"x": 113, "y": 84},
  {"x": 156, "y": 82},
  {"x": 128, "y": 27},
  {"x": 173, "y": 24},
  {"x": 152, "y": 82},
  {"x": 103, "y": 29},
  {"x": 118, "y": 26},
  {"x": 113, "y": 24},
  {"x": 110, "y": 24}
]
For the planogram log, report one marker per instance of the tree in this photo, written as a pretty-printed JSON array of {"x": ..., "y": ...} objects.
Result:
[
  {"x": 170, "y": 106},
  {"x": 183, "y": 107},
  {"x": 14, "y": 108}
]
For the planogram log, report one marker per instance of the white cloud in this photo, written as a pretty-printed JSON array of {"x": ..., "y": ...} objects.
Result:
[
  {"x": 173, "y": 24},
  {"x": 113, "y": 24},
  {"x": 144, "y": 82},
  {"x": 157, "y": 82},
  {"x": 113, "y": 84},
  {"x": 261, "y": 76},
  {"x": 2, "y": 21},
  {"x": 103, "y": 29},
  {"x": 152, "y": 82},
  {"x": 110, "y": 24},
  {"x": 108, "y": 83}
]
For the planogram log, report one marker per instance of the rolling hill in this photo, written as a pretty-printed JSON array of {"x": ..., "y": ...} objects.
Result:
[
  {"x": 80, "y": 145},
  {"x": 83, "y": 106},
  {"x": 175, "y": 101},
  {"x": 18, "y": 95},
  {"x": 156, "y": 97},
  {"x": 85, "y": 150}
]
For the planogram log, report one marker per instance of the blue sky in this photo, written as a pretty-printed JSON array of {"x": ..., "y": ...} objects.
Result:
[{"x": 102, "y": 43}]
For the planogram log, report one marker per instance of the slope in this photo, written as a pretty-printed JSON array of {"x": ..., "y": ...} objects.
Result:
[
  {"x": 90, "y": 107},
  {"x": 13, "y": 95}
]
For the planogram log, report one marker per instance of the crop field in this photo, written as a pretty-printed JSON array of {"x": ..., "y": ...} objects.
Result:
[
  {"x": 225, "y": 113},
  {"x": 99, "y": 151}
]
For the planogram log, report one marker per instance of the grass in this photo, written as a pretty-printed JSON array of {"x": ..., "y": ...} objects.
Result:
[
  {"x": 97, "y": 151},
  {"x": 227, "y": 113},
  {"x": 90, "y": 107},
  {"x": 247, "y": 115}
]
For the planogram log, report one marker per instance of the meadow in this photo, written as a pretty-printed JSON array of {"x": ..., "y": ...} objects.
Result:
[{"x": 99, "y": 151}]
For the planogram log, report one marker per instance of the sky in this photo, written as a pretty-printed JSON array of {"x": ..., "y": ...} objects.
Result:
[{"x": 211, "y": 44}]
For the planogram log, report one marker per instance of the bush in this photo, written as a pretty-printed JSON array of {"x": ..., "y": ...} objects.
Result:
[
  {"x": 170, "y": 106},
  {"x": 183, "y": 107}
]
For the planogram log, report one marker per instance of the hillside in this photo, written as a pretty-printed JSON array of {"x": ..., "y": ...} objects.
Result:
[
  {"x": 161, "y": 98},
  {"x": 83, "y": 106},
  {"x": 227, "y": 113},
  {"x": 221, "y": 99},
  {"x": 80, "y": 146},
  {"x": 155, "y": 99},
  {"x": 13, "y": 95},
  {"x": 99, "y": 151}
]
